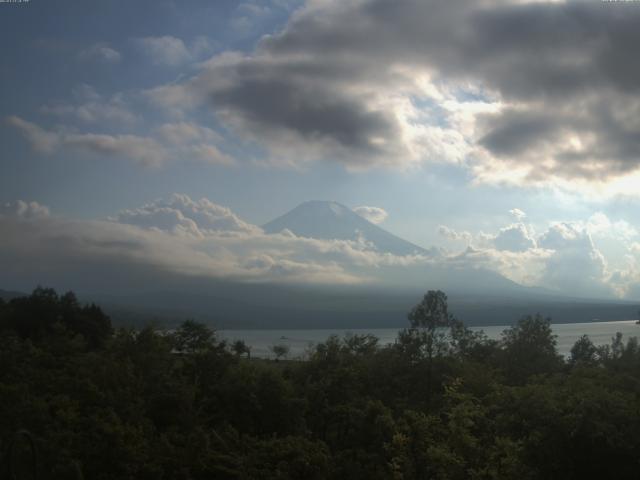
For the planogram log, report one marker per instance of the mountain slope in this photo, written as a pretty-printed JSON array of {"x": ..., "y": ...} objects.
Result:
[{"x": 331, "y": 220}]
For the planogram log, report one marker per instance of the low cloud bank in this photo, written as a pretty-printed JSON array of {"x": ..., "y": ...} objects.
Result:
[{"x": 182, "y": 237}]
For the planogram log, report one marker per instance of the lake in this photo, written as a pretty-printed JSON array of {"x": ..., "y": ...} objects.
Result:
[{"x": 299, "y": 341}]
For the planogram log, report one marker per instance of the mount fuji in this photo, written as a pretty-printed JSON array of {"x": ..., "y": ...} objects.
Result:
[
  {"x": 330, "y": 220},
  {"x": 477, "y": 295},
  {"x": 333, "y": 221}
]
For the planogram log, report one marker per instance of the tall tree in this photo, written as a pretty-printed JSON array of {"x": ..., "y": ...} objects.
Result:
[
  {"x": 529, "y": 348},
  {"x": 430, "y": 332},
  {"x": 193, "y": 337}
]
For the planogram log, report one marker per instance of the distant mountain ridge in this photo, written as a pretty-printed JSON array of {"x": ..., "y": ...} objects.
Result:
[
  {"x": 328, "y": 220},
  {"x": 243, "y": 306},
  {"x": 7, "y": 295}
]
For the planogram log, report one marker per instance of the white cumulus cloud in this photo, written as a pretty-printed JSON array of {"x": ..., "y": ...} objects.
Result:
[
  {"x": 181, "y": 214},
  {"x": 373, "y": 214},
  {"x": 170, "y": 142},
  {"x": 23, "y": 209},
  {"x": 170, "y": 51},
  {"x": 165, "y": 50},
  {"x": 518, "y": 214},
  {"x": 101, "y": 51},
  {"x": 515, "y": 238}
]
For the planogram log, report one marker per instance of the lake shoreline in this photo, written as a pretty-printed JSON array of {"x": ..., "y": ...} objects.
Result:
[{"x": 299, "y": 340}]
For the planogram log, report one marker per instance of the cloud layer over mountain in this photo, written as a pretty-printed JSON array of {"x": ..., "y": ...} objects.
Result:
[
  {"x": 182, "y": 238},
  {"x": 177, "y": 236},
  {"x": 565, "y": 257},
  {"x": 373, "y": 214}
]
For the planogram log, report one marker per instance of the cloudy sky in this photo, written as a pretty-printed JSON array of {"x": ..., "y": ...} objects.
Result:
[{"x": 505, "y": 133}]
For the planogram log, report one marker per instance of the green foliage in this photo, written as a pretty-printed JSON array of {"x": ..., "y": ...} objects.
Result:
[
  {"x": 529, "y": 348},
  {"x": 286, "y": 458},
  {"x": 193, "y": 337},
  {"x": 584, "y": 352},
  {"x": 432, "y": 312},
  {"x": 435, "y": 332},
  {"x": 145, "y": 404},
  {"x": 430, "y": 322},
  {"x": 240, "y": 348},
  {"x": 280, "y": 350}
]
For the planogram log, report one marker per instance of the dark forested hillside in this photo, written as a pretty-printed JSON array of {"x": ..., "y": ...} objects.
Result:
[
  {"x": 440, "y": 403},
  {"x": 227, "y": 305},
  {"x": 7, "y": 295}
]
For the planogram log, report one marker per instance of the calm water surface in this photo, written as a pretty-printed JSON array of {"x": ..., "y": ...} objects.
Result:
[{"x": 299, "y": 341}]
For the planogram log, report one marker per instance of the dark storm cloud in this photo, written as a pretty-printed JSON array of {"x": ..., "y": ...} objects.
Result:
[
  {"x": 298, "y": 106},
  {"x": 521, "y": 49},
  {"x": 513, "y": 131},
  {"x": 313, "y": 113},
  {"x": 334, "y": 80}
]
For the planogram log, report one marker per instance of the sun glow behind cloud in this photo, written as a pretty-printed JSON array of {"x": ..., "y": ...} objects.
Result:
[{"x": 366, "y": 84}]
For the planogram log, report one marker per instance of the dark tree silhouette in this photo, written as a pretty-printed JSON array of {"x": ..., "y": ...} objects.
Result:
[
  {"x": 240, "y": 348},
  {"x": 39, "y": 314},
  {"x": 584, "y": 352},
  {"x": 192, "y": 337},
  {"x": 280, "y": 351},
  {"x": 529, "y": 348}
]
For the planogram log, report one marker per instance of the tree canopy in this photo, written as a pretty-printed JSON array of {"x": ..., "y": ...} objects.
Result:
[{"x": 148, "y": 404}]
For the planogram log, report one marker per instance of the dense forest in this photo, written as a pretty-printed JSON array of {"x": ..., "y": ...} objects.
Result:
[{"x": 439, "y": 403}]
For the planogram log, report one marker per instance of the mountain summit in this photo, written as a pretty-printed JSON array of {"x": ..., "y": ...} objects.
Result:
[{"x": 333, "y": 221}]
